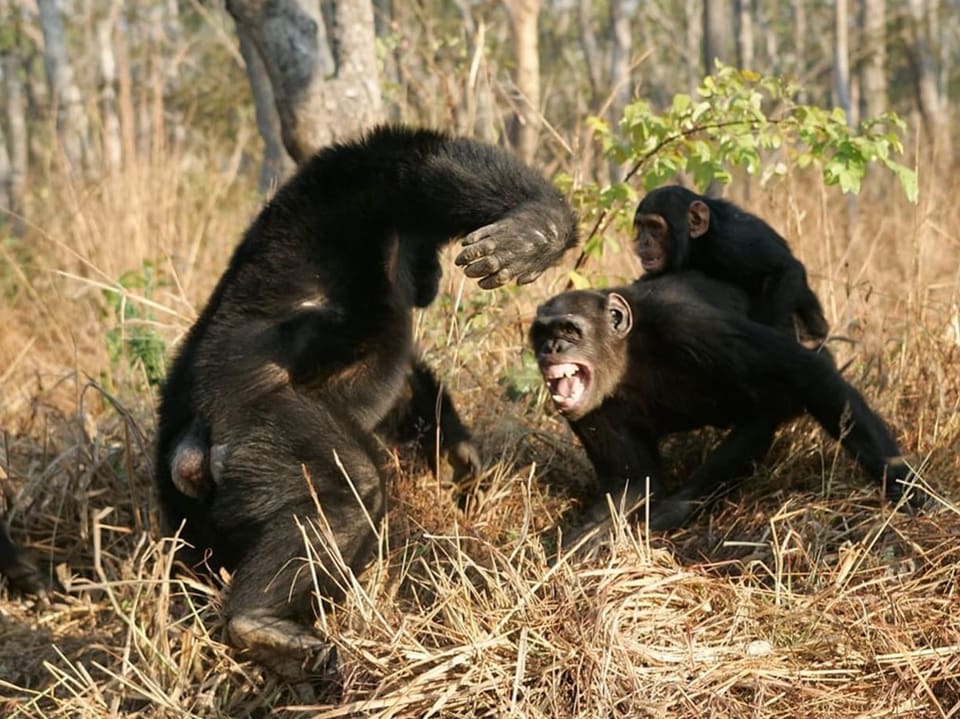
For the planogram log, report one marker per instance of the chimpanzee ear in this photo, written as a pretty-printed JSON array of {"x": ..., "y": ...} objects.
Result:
[
  {"x": 698, "y": 219},
  {"x": 620, "y": 314}
]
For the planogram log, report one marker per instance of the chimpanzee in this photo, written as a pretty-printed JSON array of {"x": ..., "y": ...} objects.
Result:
[
  {"x": 306, "y": 344},
  {"x": 628, "y": 365},
  {"x": 677, "y": 229},
  {"x": 423, "y": 411},
  {"x": 18, "y": 568}
]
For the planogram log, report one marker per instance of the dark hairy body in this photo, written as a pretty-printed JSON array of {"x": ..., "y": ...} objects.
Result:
[
  {"x": 19, "y": 569},
  {"x": 306, "y": 344},
  {"x": 677, "y": 229},
  {"x": 629, "y": 365}
]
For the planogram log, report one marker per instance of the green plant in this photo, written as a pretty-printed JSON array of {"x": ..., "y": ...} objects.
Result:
[
  {"x": 739, "y": 119},
  {"x": 133, "y": 339}
]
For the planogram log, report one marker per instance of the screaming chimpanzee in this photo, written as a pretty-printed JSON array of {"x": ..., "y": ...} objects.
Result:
[
  {"x": 629, "y": 365},
  {"x": 306, "y": 344},
  {"x": 677, "y": 229}
]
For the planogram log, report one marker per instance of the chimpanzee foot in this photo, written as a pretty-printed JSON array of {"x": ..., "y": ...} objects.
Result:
[
  {"x": 900, "y": 481},
  {"x": 284, "y": 646},
  {"x": 24, "y": 576},
  {"x": 464, "y": 457}
]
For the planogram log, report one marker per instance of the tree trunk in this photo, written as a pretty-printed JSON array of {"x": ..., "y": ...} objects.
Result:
[
  {"x": 275, "y": 163},
  {"x": 588, "y": 42},
  {"x": 15, "y": 115},
  {"x": 64, "y": 93},
  {"x": 745, "y": 12},
  {"x": 523, "y": 24},
  {"x": 112, "y": 153},
  {"x": 316, "y": 107},
  {"x": 873, "y": 80},
  {"x": 921, "y": 60},
  {"x": 621, "y": 87},
  {"x": 716, "y": 34},
  {"x": 841, "y": 65}
]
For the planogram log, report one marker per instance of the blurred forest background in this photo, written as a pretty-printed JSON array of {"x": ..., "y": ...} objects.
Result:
[{"x": 137, "y": 140}]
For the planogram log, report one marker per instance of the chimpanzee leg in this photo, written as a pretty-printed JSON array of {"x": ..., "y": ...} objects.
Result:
[
  {"x": 425, "y": 410},
  {"x": 731, "y": 461},
  {"x": 845, "y": 414},
  {"x": 270, "y": 608},
  {"x": 18, "y": 568}
]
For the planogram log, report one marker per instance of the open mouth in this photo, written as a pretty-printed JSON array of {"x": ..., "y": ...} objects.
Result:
[
  {"x": 569, "y": 383},
  {"x": 651, "y": 263}
]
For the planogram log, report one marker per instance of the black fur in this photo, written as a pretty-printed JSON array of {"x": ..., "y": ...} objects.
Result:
[
  {"x": 742, "y": 249},
  {"x": 306, "y": 344},
  {"x": 693, "y": 358}
]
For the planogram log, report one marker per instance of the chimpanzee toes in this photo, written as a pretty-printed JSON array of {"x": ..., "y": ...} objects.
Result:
[
  {"x": 25, "y": 577},
  {"x": 284, "y": 646},
  {"x": 464, "y": 457},
  {"x": 902, "y": 482}
]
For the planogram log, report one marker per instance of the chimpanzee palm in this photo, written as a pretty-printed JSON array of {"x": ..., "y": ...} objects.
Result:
[
  {"x": 306, "y": 343},
  {"x": 628, "y": 365}
]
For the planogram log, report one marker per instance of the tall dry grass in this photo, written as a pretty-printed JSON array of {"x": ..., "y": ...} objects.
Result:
[{"x": 802, "y": 595}]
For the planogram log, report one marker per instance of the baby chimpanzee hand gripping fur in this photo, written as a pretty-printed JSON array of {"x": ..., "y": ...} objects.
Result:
[
  {"x": 306, "y": 344},
  {"x": 627, "y": 366},
  {"x": 677, "y": 229}
]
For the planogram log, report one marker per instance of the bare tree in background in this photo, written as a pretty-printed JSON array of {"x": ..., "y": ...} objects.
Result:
[
  {"x": 745, "y": 11},
  {"x": 276, "y": 163},
  {"x": 920, "y": 50},
  {"x": 524, "y": 15},
  {"x": 841, "y": 65},
  {"x": 317, "y": 104},
  {"x": 72, "y": 124},
  {"x": 873, "y": 41},
  {"x": 14, "y": 121},
  {"x": 112, "y": 143},
  {"x": 716, "y": 33}
]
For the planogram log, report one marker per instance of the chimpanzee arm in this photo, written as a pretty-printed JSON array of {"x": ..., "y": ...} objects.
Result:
[
  {"x": 515, "y": 222},
  {"x": 731, "y": 460}
]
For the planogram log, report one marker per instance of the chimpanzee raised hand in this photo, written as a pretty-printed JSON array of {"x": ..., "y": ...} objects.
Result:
[
  {"x": 677, "y": 229},
  {"x": 306, "y": 344},
  {"x": 627, "y": 366}
]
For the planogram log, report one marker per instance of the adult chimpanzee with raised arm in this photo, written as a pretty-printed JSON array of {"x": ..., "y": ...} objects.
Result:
[
  {"x": 677, "y": 229},
  {"x": 306, "y": 344},
  {"x": 627, "y": 366}
]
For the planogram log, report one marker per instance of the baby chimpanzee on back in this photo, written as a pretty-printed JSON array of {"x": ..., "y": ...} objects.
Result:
[
  {"x": 677, "y": 229},
  {"x": 306, "y": 344}
]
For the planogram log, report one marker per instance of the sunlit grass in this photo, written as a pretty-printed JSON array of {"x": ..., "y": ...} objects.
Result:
[{"x": 802, "y": 595}]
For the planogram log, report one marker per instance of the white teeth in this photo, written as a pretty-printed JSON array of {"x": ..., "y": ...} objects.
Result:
[{"x": 557, "y": 371}]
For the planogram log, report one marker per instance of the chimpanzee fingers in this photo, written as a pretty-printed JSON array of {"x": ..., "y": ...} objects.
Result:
[
  {"x": 501, "y": 278},
  {"x": 529, "y": 277},
  {"x": 483, "y": 267}
]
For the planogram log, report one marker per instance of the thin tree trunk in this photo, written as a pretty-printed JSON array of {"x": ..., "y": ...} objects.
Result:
[
  {"x": 621, "y": 87},
  {"x": 841, "y": 65},
  {"x": 745, "y": 12},
  {"x": 921, "y": 59},
  {"x": 64, "y": 93},
  {"x": 524, "y": 15},
  {"x": 588, "y": 42},
  {"x": 112, "y": 143},
  {"x": 275, "y": 162},
  {"x": 15, "y": 115},
  {"x": 716, "y": 34},
  {"x": 315, "y": 109},
  {"x": 873, "y": 80}
]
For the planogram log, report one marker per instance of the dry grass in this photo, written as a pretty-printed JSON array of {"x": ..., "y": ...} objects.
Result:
[{"x": 804, "y": 595}]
